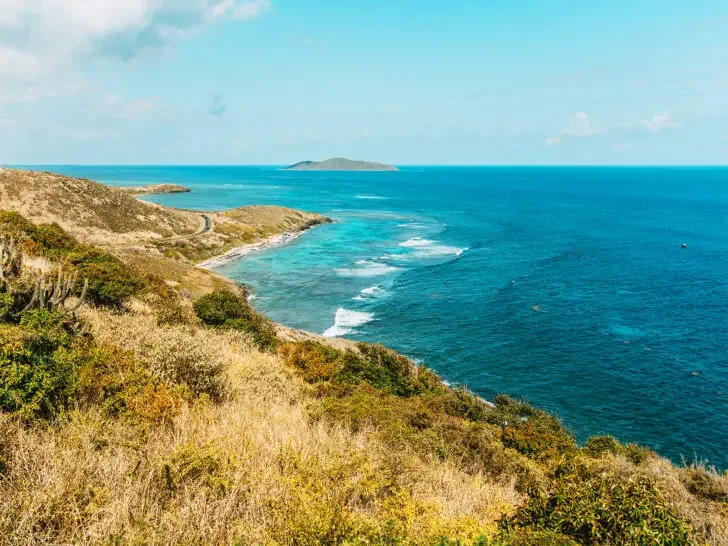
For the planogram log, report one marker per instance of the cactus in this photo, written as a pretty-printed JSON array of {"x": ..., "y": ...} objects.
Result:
[
  {"x": 44, "y": 293},
  {"x": 53, "y": 294},
  {"x": 11, "y": 261}
]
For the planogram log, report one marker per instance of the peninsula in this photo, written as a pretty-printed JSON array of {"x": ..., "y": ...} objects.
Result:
[
  {"x": 340, "y": 164},
  {"x": 156, "y": 189}
]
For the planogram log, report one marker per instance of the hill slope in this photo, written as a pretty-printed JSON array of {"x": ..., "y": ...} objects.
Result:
[
  {"x": 340, "y": 164},
  {"x": 172, "y": 412},
  {"x": 110, "y": 217},
  {"x": 90, "y": 210}
]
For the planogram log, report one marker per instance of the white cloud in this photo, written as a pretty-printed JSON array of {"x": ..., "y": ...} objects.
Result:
[
  {"x": 579, "y": 126},
  {"x": 234, "y": 9},
  {"x": 660, "y": 122},
  {"x": 42, "y": 40}
]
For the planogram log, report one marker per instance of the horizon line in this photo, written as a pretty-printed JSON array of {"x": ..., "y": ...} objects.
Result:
[{"x": 279, "y": 165}]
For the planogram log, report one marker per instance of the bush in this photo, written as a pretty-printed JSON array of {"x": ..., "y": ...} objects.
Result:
[
  {"x": 527, "y": 537},
  {"x": 179, "y": 357},
  {"x": 387, "y": 370},
  {"x": 601, "y": 509},
  {"x": 51, "y": 241},
  {"x": 119, "y": 383},
  {"x": 48, "y": 240},
  {"x": 316, "y": 362},
  {"x": 705, "y": 483},
  {"x": 598, "y": 446},
  {"x": 14, "y": 224},
  {"x": 110, "y": 281},
  {"x": 223, "y": 309},
  {"x": 532, "y": 432},
  {"x": 7, "y": 307},
  {"x": 34, "y": 381},
  {"x": 217, "y": 308}
]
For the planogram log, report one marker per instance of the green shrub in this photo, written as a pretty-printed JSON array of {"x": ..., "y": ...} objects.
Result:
[
  {"x": 7, "y": 306},
  {"x": 384, "y": 369},
  {"x": 34, "y": 382},
  {"x": 378, "y": 366},
  {"x": 110, "y": 281},
  {"x": 14, "y": 224},
  {"x": 223, "y": 309},
  {"x": 601, "y": 509},
  {"x": 52, "y": 241},
  {"x": 598, "y": 446},
  {"x": 530, "y": 431},
  {"x": 315, "y": 361},
  {"x": 526, "y": 537},
  {"x": 220, "y": 306},
  {"x": 463, "y": 403}
]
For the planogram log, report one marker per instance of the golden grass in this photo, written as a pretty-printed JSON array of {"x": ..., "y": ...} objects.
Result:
[
  {"x": 111, "y": 217},
  {"x": 88, "y": 210},
  {"x": 254, "y": 469}
]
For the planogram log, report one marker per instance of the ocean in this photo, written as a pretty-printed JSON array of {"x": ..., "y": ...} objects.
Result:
[{"x": 568, "y": 287}]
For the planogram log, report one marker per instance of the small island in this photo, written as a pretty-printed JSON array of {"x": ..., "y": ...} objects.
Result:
[
  {"x": 340, "y": 164},
  {"x": 155, "y": 189}
]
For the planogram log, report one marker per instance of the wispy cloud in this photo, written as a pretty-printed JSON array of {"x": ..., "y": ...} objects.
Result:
[
  {"x": 218, "y": 108},
  {"x": 552, "y": 141},
  {"x": 660, "y": 122},
  {"x": 579, "y": 126}
]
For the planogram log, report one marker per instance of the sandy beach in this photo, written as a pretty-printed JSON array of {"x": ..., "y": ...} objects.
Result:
[{"x": 241, "y": 251}]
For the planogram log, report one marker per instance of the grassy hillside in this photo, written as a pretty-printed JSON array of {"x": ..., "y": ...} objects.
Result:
[
  {"x": 89, "y": 210},
  {"x": 154, "y": 415},
  {"x": 112, "y": 218}
]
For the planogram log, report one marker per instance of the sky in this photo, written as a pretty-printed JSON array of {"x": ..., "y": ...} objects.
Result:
[{"x": 273, "y": 82}]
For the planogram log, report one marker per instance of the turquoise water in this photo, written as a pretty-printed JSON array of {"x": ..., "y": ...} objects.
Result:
[{"x": 566, "y": 286}]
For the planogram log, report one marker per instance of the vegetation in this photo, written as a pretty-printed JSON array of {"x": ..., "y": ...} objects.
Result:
[
  {"x": 223, "y": 309},
  {"x": 149, "y": 416}
]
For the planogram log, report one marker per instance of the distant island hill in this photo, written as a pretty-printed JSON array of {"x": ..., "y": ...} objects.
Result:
[{"x": 340, "y": 164}]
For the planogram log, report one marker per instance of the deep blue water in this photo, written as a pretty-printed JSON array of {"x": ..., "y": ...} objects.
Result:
[{"x": 565, "y": 286}]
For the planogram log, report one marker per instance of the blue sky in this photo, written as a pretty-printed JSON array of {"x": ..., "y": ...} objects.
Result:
[{"x": 406, "y": 82}]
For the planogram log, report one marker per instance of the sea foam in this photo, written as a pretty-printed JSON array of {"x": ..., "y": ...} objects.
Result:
[
  {"x": 369, "y": 293},
  {"x": 426, "y": 248},
  {"x": 367, "y": 268},
  {"x": 345, "y": 322}
]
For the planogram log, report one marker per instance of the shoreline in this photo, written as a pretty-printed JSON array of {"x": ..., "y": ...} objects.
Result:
[{"x": 236, "y": 253}]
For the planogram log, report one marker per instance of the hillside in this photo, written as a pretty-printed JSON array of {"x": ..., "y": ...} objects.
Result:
[
  {"x": 144, "y": 401},
  {"x": 340, "y": 164},
  {"x": 89, "y": 210},
  {"x": 111, "y": 217}
]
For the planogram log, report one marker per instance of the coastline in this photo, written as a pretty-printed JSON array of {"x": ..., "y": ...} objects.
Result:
[{"x": 236, "y": 253}]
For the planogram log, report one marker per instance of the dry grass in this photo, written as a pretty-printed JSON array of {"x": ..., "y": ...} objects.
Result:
[
  {"x": 111, "y": 217},
  {"x": 88, "y": 210},
  {"x": 254, "y": 469}
]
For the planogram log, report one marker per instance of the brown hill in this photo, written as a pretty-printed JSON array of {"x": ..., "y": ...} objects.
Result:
[
  {"x": 89, "y": 210},
  {"x": 110, "y": 217}
]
